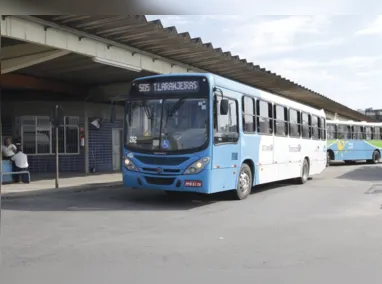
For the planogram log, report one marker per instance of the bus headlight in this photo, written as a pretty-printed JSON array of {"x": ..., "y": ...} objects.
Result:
[
  {"x": 130, "y": 165},
  {"x": 197, "y": 167}
]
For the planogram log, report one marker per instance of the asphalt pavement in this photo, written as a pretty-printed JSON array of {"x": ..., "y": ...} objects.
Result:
[{"x": 326, "y": 230}]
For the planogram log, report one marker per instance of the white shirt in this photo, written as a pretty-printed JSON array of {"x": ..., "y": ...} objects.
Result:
[
  {"x": 7, "y": 150},
  {"x": 21, "y": 160}
]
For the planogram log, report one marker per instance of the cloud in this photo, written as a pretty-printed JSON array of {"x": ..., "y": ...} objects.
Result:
[
  {"x": 374, "y": 28},
  {"x": 222, "y": 17},
  {"x": 170, "y": 20},
  {"x": 352, "y": 81},
  {"x": 344, "y": 63},
  {"x": 272, "y": 35}
]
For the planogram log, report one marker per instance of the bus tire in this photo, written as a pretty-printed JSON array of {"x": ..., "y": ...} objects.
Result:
[
  {"x": 304, "y": 172},
  {"x": 376, "y": 157},
  {"x": 328, "y": 159},
  {"x": 244, "y": 183}
]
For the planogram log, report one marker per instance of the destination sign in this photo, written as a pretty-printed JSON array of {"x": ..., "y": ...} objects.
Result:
[{"x": 168, "y": 87}]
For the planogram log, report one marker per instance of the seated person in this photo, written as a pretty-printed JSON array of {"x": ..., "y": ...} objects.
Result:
[
  {"x": 8, "y": 149},
  {"x": 20, "y": 161}
]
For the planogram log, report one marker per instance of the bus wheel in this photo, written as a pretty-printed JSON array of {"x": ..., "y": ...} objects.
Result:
[
  {"x": 376, "y": 157},
  {"x": 304, "y": 172},
  {"x": 244, "y": 184},
  {"x": 327, "y": 159}
]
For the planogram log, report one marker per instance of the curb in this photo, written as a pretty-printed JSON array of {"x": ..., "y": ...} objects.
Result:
[{"x": 67, "y": 190}]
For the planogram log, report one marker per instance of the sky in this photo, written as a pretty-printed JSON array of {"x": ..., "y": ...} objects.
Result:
[{"x": 339, "y": 57}]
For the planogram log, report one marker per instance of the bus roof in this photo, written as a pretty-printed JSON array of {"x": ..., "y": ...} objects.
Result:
[
  {"x": 351, "y": 122},
  {"x": 245, "y": 89}
]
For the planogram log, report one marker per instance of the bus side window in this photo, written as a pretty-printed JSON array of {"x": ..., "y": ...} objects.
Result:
[
  {"x": 306, "y": 123},
  {"x": 349, "y": 133},
  {"x": 249, "y": 118},
  {"x": 377, "y": 133},
  {"x": 294, "y": 123},
  {"x": 368, "y": 134},
  {"x": 281, "y": 121},
  {"x": 356, "y": 132},
  {"x": 315, "y": 125},
  {"x": 264, "y": 118},
  {"x": 343, "y": 131},
  {"x": 226, "y": 129},
  {"x": 322, "y": 128},
  {"x": 332, "y": 131}
]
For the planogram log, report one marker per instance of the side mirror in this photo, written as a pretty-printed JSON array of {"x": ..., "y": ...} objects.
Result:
[{"x": 224, "y": 107}]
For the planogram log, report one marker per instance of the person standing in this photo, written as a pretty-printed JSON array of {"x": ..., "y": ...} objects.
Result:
[
  {"x": 21, "y": 164},
  {"x": 8, "y": 149}
]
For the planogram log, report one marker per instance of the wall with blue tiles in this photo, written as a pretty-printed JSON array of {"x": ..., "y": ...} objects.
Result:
[
  {"x": 100, "y": 140},
  {"x": 100, "y": 145}
]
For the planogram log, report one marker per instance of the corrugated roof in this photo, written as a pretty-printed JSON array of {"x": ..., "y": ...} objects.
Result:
[{"x": 152, "y": 37}]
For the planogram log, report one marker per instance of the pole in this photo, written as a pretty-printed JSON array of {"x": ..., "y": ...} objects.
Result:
[
  {"x": 57, "y": 160},
  {"x": 1, "y": 139}
]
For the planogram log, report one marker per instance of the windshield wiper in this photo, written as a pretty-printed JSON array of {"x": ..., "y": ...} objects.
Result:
[{"x": 175, "y": 107}]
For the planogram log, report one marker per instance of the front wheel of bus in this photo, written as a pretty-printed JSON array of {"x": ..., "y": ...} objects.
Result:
[
  {"x": 244, "y": 184},
  {"x": 376, "y": 157}
]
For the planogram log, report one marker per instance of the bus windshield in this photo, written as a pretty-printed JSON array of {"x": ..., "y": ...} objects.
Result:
[{"x": 171, "y": 124}]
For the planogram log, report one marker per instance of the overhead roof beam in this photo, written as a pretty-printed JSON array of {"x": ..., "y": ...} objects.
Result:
[{"x": 13, "y": 64}]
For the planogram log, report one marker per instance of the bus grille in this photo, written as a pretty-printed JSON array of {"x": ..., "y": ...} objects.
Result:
[
  {"x": 161, "y": 160},
  {"x": 165, "y": 171},
  {"x": 160, "y": 181}
]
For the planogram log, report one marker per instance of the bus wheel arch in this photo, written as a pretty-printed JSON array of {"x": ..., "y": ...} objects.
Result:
[
  {"x": 251, "y": 165},
  {"x": 244, "y": 181}
]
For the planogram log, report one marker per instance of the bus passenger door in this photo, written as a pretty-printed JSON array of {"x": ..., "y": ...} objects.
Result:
[{"x": 226, "y": 146}]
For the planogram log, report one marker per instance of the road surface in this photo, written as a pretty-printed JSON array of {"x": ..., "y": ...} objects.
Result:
[{"x": 329, "y": 229}]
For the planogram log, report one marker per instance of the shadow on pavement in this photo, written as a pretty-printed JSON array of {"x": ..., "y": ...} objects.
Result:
[
  {"x": 366, "y": 173},
  {"x": 343, "y": 164},
  {"x": 120, "y": 199}
]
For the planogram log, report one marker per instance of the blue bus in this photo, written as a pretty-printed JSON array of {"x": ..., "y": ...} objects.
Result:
[
  {"x": 351, "y": 141},
  {"x": 207, "y": 134}
]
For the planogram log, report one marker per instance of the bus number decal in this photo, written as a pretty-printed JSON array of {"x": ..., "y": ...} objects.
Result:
[
  {"x": 133, "y": 139},
  {"x": 144, "y": 88}
]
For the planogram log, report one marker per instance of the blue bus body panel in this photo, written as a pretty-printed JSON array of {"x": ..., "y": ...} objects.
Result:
[
  {"x": 352, "y": 149},
  {"x": 250, "y": 151},
  {"x": 230, "y": 157}
]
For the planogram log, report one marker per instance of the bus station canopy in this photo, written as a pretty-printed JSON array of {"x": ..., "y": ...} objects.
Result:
[{"x": 150, "y": 36}]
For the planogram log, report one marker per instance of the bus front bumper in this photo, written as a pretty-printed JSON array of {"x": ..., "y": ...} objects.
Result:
[{"x": 187, "y": 183}]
